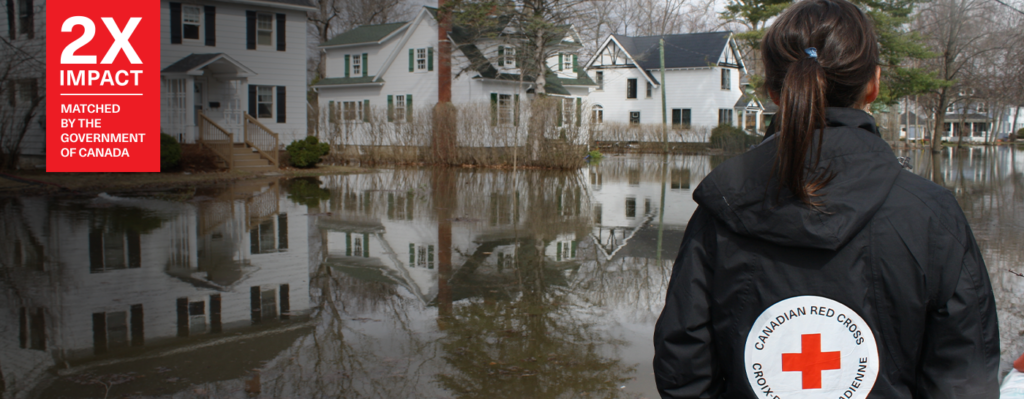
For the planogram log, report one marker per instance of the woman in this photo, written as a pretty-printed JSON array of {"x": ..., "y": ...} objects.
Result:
[{"x": 814, "y": 266}]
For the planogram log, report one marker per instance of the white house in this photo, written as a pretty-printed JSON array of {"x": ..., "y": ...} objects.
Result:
[
  {"x": 23, "y": 26},
  {"x": 702, "y": 79},
  {"x": 393, "y": 67},
  {"x": 228, "y": 59}
]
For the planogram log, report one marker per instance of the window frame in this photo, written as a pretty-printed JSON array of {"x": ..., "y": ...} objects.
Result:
[
  {"x": 271, "y": 30},
  {"x": 726, "y": 113},
  {"x": 25, "y": 86},
  {"x": 631, "y": 88},
  {"x": 510, "y": 57},
  {"x": 26, "y": 14},
  {"x": 599, "y": 79},
  {"x": 506, "y": 111},
  {"x": 650, "y": 89},
  {"x": 259, "y": 101},
  {"x": 399, "y": 105},
  {"x": 198, "y": 23},
  {"x": 357, "y": 65},
  {"x": 634, "y": 121},
  {"x": 597, "y": 114},
  {"x": 726, "y": 79},
  {"x": 421, "y": 59},
  {"x": 355, "y": 114},
  {"x": 567, "y": 61},
  {"x": 568, "y": 111}
]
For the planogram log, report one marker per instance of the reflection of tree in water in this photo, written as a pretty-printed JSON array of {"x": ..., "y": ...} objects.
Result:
[
  {"x": 519, "y": 332},
  {"x": 538, "y": 345}
]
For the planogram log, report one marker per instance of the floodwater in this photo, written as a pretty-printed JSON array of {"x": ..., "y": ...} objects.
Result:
[{"x": 395, "y": 284}]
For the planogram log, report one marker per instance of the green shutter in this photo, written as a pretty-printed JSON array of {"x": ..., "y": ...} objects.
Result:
[
  {"x": 575, "y": 64},
  {"x": 348, "y": 244},
  {"x": 347, "y": 66},
  {"x": 430, "y": 58},
  {"x": 408, "y": 108},
  {"x": 331, "y": 116},
  {"x": 412, "y": 57},
  {"x": 366, "y": 65},
  {"x": 366, "y": 245},
  {"x": 558, "y": 252},
  {"x": 391, "y": 108},
  {"x": 366, "y": 110},
  {"x": 560, "y": 55},
  {"x": 494, "y": 109},
  {"x": 515, "y": 118},
  {"x": 412, "y": 255},
  {"x": 574, "y": 243},
  {"x": 430, "y": 257},
  {"x": 579, "y": 111},
  {"x": 501, "y": 55}
]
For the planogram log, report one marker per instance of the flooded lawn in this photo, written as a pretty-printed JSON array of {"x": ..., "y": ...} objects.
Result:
[{"x": 401, "y": 283}]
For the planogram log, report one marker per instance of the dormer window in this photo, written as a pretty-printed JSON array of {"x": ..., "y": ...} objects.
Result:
[
  {"x": 510, "y": 57},
  {"x": 567, "y": 62},
  {"x": 357, "y": 65},
  {"x": 191, "y": 20}
]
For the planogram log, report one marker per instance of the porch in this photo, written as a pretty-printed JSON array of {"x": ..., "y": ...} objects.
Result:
[{"x": 202, "y": 97}]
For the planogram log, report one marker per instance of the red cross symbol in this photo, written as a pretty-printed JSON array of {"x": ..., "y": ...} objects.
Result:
[{"x": 811, "y": 362}]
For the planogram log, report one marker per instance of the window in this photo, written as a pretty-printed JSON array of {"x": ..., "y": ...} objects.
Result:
[
  {"x": 191, "y": 19},
  {"x": 505, "y": 109},
  {"x": 28, "y": 90},
  {"x": 598, "y": 114},
  {"x": 357, "y": 244},
  {"x": 630, "y": 208},
  {"x": 681, "y": 118},
  {"x": 111, "y": 250},
  {"x": 264, "y": 101},
  {"x": 262, "y": 237},
  {"x": 26, "y": 18},
  {"x": 510, "y": 57},
  {"x": 357, "y": 65},
  {"x": 600, "y": 80},
  {"x": 421, "y": 256},
  {"x": 949, "y": 108},
  {"x": 982, "y": 108},
  {"x": 630, "y": 88},
  {"x": 353, "y": 110},
  {"x": 726, "y": 79},
  {"x": 568, "y": 111},
  {"x": 567, "y": 62},
  {"x": 399, "y": 108},
  {"x": 197, "y": 317},
  {"x": 33, "y": 328},
  {"x": 111, "y": 329},
  {"x": 565, "y": 250},
  {"x": 680, "y": 179},
  {"x": 650, "y": 88},
  {"x": 421, "y": 59},
  {"x": 634, "y": 117},
  {"x": 264, "y": 30},
  {"x": 725, "y": 116}
]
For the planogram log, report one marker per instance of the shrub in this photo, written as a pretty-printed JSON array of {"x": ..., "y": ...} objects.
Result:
[
  {"x": 307, "y": 191},
  {"x": 170, "y": 152},
  {"x": 306, "y": 153},
  {"x": 732, "y": 139}
]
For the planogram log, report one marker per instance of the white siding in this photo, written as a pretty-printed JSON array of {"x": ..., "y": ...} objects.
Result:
[
  {"x": 34, "y": 143},
  {"x": 272, "y": 67}
]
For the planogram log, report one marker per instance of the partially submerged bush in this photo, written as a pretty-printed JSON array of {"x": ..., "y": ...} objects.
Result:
[
  {"x": 170, "y": 152},
  {"x": 732, "y": 139},
  {"x": 306, "y": 153},
  {"x": 307, "y": 191}
]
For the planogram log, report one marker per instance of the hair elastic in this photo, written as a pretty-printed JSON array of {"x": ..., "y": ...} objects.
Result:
[{"x": 812, "y": 52}]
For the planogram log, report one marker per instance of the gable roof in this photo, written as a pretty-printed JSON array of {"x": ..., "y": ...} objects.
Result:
[
  {"x": 192, "y": 63},
  {"x": 365, "y": 34},
  {"x": 691, "y": 50}
]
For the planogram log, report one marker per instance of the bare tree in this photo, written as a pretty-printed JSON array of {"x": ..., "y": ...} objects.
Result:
[
  {"x": 337, "y": 16},
  {"x": 22, "y": 94},
  {"x": 959, "y": 32}
]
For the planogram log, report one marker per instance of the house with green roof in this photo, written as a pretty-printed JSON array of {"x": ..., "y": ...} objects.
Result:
[{"x": 380, "y": 78}]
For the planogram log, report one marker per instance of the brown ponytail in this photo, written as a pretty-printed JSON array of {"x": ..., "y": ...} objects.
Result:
[{"x": 845, "y": 61}]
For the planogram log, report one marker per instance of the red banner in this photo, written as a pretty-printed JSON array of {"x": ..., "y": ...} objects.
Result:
[{"x": 103, "y": 86}]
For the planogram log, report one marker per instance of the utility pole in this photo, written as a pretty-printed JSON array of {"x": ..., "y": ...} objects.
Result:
[{"x": 664, "y": 106}]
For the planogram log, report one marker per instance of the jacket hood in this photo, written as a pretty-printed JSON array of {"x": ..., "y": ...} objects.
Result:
[{"x": 741, "y": 192}]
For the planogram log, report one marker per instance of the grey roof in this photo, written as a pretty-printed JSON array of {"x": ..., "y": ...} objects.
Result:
[
  {"x": 189, "y": 62},
  {"x": 691, "y": 50},
  {"x": 767, "y": 106}
]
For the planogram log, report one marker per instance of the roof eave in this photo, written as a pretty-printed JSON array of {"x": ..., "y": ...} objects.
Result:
[
  {"x": 272, "y": 4},
  {"x": 317, "y": 88}
]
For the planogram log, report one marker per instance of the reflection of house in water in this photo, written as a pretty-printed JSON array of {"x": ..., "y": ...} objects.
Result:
[
  {"x": 627, "y": 195},
  {"x": 110, "y": 280},
  {"x": 385, "y": 226}
]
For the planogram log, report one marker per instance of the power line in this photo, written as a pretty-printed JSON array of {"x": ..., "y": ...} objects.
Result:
[{"x": 1010, "y": 7}]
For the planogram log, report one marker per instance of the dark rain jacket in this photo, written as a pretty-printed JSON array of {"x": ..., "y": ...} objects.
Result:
[{"x": 888, "y": 244}]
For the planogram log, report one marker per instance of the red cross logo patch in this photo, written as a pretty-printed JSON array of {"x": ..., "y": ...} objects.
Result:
[{"x": 811, "y": 347}]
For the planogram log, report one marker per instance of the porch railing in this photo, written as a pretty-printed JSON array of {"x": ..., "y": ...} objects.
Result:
[
  {"x": 262, "y": 139},
  {"x": 217, "y": 139}
]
